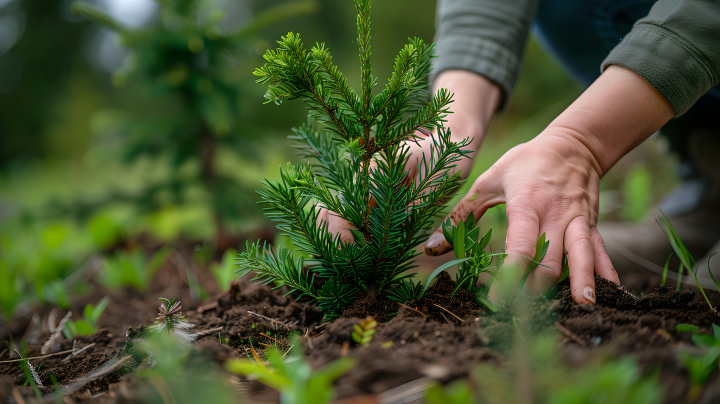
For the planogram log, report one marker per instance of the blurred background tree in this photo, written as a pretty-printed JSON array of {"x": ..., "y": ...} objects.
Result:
[{"x": 188, "y": 65}]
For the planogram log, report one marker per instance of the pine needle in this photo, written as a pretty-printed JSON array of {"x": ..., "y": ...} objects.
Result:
[{"x": 461, "y": 320}]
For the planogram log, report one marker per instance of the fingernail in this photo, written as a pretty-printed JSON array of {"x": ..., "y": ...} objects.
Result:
[
  {"x": 589, "y": 294},
  {"x": 437, "y": 245}
]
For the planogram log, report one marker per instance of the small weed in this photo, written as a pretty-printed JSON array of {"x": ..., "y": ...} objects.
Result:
[
  {"x": 171, "y": 321},
  {"x": 364, "y": 331},
  {"x": 86, "y": 326},
  {"x": 223, "y": 341},
  {"x": 686, "y": 259},
  {"x": 297, "y": 382}
]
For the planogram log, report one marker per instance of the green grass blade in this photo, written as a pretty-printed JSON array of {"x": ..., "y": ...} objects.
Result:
[
  {"x": 665, "y": 269},
  {"x": 440, "y": 269}
]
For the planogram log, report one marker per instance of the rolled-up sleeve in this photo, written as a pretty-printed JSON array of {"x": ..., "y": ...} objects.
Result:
[
  {"x": 483, "y": 36},
  {"x": 676, "y": 49}
]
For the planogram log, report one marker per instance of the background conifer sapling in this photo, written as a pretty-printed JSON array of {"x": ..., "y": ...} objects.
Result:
[{"x": 359, "y": 143}]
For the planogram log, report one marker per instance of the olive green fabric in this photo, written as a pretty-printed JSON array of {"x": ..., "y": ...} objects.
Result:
[
  {"x": 676, "y": 48},
  {"x": 483, "y": 36}
]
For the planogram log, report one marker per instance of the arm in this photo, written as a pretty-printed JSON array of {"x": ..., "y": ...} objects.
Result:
[{"x": 550, "y": 184}]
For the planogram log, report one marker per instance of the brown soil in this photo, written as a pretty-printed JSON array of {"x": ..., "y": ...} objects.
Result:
[{"x": 438, "y": 338}]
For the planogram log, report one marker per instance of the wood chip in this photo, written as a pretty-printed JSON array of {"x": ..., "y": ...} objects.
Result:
[{"x": 207, "y": 307}]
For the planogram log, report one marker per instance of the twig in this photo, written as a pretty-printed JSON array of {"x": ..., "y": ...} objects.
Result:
[
  {"x": 569, "y": 334},
  {"x": 307, "y": 335},
  {"x": 108, "y": 368},
  {"x": 269, "y": 319},
  {"x": 265, "y": 335},
  {"x": 17, "y": 396},
  {"x": 461, "y": 320},
  {"x": 39, "y": 357},
  {"x": 78, "y": 352},
  {"x": 55, "y": 335},
  {"x": 210, "y": 331},
  {"x": 3, "y": 352},
  {"x": 207, "y": 307},
  {"x": 410, "y": 308}
]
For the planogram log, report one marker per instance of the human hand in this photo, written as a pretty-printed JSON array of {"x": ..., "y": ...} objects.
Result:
[{"x": 550, "y": 184}]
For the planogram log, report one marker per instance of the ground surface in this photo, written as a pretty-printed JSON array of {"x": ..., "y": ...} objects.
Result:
[{"x": 439, "y": 339}]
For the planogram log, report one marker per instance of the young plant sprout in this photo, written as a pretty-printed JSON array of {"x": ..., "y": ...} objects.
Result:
[
  {"x": 686, "y": 259},
  {"x": 171, "y": 321},
  {"x": 472, "y": 259},
  {"x": 360, "y": 144}
]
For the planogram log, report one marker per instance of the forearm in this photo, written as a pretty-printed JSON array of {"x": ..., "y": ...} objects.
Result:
[
  {"x": 475, "y": 101},
  {"x": 614, "y": 115}
]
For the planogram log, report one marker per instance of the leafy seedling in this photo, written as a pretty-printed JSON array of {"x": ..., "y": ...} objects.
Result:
[
  {"x": 132, "y": 268},
  {"x": 296, "y": 381},
  {"x": 86, "y": 326},
  {"x": 682, "y": 252},
  {"x": 171, "y": 321},
  {"x": 360, "y": 145},
  {"x": 364, "y": 331}
]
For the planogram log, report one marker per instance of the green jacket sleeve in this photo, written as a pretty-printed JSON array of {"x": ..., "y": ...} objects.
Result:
[
  {"x": 676, "y": 48},
  {"x": 484, "y": 36}
]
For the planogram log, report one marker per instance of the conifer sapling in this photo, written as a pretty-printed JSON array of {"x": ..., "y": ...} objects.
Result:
[{"x": 359, "y": 143}]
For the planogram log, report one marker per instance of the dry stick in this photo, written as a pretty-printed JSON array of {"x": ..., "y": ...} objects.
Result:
[
  {"x": 3, "y": 352},
  {"x": 207, "y": 307},
  {"x": 17, "y": 396},
  {"x": 210, "y": 331},
  {"x": 410, "y": 308},
  {"x": 39, "y": 357},
  {"x": 55, "y": 335},
  {"x": 569, "y": 334},
  {"x": 78, "y": 352},
  {"x": 108, "y": 368},
  {"x": 269, "y": 319},
  {"x": 461, "y": 320},
  {"x": 265, "y": 335}
]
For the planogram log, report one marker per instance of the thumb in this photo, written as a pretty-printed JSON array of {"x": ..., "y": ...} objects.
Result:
[{"x": 484, "y": 194}]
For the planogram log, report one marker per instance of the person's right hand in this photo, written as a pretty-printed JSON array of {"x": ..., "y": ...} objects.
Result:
[{"x": 475, "y": 100}]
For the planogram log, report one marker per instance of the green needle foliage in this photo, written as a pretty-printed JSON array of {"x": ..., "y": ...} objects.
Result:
[
  {"x": 389, "y": 214},
  {"x": 188, "y": 58}
]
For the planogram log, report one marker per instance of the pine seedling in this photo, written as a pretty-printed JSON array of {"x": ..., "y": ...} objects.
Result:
[
  {"x": 360, "y": 144},
  {"x": 364, "y": 331},
  {"x": 171, "y": 321}
]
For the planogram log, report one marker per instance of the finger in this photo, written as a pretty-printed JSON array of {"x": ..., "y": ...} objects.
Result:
[
  {"x": 603, "y": 266},
  {"x": 545, "y": 276},
  {"x": 483, "y": 195},
  {"x": 323, "y": 219},
  {"x": 581, "y": 260},
  {"x": 523, "y": 226},
  {"x": 338, "y": 225}
]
